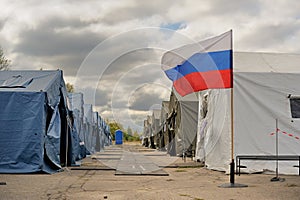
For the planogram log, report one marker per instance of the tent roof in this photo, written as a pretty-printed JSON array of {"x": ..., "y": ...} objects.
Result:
[
  {"x": 266, "y": 62},
  {"x": 29, "y": 81},
  {"x": 51, "y": 82}
]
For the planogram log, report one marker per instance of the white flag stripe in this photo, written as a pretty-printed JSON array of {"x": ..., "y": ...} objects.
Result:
[{"x": 177, "y": 56}]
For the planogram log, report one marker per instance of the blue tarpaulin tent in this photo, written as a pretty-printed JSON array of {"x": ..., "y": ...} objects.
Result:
[
  {"x": 34, "y": 124},
  {"x": 76, "y": 105},
  {"x": 96, "y": 132},
  {"x": 101, "y": 132},
  {"x": 88, "y": 128}
]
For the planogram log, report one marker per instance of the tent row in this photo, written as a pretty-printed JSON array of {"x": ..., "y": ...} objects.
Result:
[
  {"x": 42, "y": 127},
  {"x": 151, "y": 129},
  {"x": 93, "y": 132},
  {"x": 173, "y": 128},
  {"x": 266, "y": 90}
]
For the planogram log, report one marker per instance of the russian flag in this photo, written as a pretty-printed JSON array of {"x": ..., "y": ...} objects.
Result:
[{"x": 200, "y": 66}]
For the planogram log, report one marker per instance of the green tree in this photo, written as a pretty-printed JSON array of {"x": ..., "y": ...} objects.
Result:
[
  {"x": 4, "y": 62},
  {"x": 128, "y": 135},
  {"x": 70, "y": 88},
  {"x": 136, "y": 134},
  {"x": 129, "y": 131},
  {"x": 113, "y": 127}
]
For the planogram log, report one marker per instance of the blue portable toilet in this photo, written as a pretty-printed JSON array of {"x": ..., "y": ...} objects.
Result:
[{"x": 119, "y": 137}]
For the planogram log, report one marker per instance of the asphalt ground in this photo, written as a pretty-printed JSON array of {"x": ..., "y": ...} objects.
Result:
[{"x": 131, "y": 171}]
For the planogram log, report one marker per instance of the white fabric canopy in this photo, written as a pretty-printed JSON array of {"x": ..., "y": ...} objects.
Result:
[{"x": 262, "y": 84}]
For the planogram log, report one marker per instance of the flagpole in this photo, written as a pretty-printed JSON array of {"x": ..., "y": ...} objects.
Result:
[
  {"x": 232, "y": 117},
  {"x": 232, "y": 183},
  {"x": 232, "y": 139}
]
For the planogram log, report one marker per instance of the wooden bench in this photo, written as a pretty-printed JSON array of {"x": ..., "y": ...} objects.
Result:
[{"x": 265, "y": 157}]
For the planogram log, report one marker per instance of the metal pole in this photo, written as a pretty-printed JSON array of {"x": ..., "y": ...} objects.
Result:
[
  {"x": 232, "y": 118},
  {"x": 277, "y": 148},
  {"x": 277, "y": 156},
  {"x": 232, "y": 140}
]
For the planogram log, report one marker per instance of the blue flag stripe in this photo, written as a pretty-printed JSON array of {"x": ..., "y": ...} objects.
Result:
[{"x": 201, "y": 62}]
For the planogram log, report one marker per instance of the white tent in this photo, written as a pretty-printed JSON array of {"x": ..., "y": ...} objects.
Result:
[{"x": 264, "y": 85}]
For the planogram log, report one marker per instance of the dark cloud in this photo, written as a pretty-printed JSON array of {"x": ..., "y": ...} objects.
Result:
[
  {"x": 51, "y": 43},
  {"x": 270, "y": 35},
  {"x": 68, "y": 63},
  {"x": 102, "y": 98},
  {"x": 47, "y": 42},
  {"x": 131, "y": 70},
  {"x": 136, "y": 66},
  {"x": 120, "y": 54},
  {"x": 146, "y": 97},
  {"x": 60, "y": 22},
  {"x": 235, "y": 7},
  {"x": 2, "y": 23},
  {"x": 136, "y": 10},
  {"x": 127, "y": 87}
]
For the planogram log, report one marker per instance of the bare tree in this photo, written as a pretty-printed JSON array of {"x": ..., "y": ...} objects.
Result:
[{"x": 4, "y": 62}]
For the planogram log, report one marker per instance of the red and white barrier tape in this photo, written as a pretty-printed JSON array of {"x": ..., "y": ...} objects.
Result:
[{"x": 285, "y": 133}]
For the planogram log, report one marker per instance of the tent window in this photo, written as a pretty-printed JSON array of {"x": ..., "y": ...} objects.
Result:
[{"x": 295, "y": 107}]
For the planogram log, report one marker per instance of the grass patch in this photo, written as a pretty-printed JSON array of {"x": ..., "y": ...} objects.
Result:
[
  {"x": 170, "y": 179},
  {"x": 180, "y": 170},
  {"x": 187, "y": 195},
  {"x": 191, "y": 166},
  {"x": 292, "y": 185},
  {"x": 184, "y": 195}
]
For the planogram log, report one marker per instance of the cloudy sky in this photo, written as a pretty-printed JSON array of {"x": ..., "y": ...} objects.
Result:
[{"x": 111, "y": 50}]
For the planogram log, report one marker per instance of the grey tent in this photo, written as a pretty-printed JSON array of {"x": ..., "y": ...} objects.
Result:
[
  {"x": 155, "y": 126},
  {"x": 34, "y": 131},
  {"x": 182, "y": 124},
  {"x": 148, "y": 136},
  {"x": 164, "y": 140},
  {"x": 145, "y": 140}
]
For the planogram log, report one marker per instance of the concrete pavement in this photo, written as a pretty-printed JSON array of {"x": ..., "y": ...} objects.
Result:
[{"x": 96, "y": 179}]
